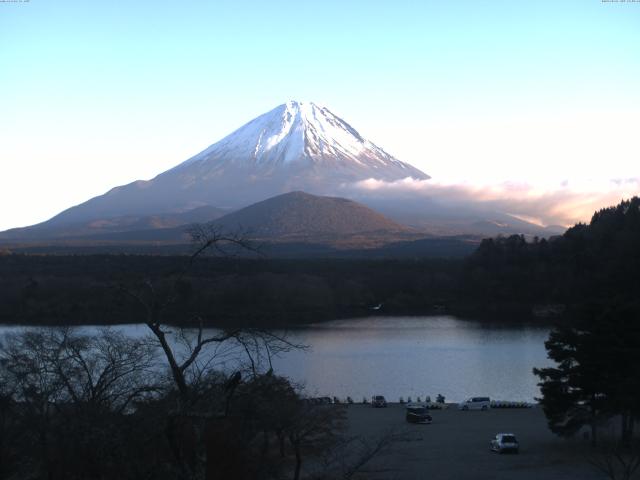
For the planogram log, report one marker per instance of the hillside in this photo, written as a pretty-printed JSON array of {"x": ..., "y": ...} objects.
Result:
[
  {"x": 295, "y": 146},
  {"x": 299, "y": 214},
  {"x": 156, "y": 227}
]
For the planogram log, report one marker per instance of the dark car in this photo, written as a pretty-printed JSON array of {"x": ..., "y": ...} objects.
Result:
[
  {"x": 418, "y": 414},
  {"x": 378, "y": 401}
]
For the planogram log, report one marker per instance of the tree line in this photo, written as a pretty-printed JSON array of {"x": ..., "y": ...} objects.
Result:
[
  {"x": 257, "y": 291},
  {"x": 595, "y": 382}
]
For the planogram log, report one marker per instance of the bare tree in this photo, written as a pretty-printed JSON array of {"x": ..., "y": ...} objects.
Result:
[
  {"x": 62, "y": 366},
  {"x": 192, "y": 352},
  {"x": 36, "y": 387},
  {"x": 108, "y": 370},
  {"x": 257, "y": 345},
  {"x": 68, "y": 393},
  {"x": 8, "y": 430}
]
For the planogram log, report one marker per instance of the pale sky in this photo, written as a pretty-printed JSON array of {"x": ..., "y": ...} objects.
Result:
[{"x": 540, "y": 94}]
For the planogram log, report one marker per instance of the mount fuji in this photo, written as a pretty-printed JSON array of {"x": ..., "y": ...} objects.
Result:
[{"x": 296, "y": 146}]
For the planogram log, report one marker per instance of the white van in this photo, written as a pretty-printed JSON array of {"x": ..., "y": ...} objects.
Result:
[{"x": 475, "y": 403}]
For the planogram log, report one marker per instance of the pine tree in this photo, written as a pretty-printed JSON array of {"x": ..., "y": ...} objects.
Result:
[{"x": 598, "y": 370}]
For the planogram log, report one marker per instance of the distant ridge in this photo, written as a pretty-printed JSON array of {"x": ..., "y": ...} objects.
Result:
[
  {"x": 115, "y": 227},
  {"x": 290, "y": 217},
  {"x": 299, "y": 214}
]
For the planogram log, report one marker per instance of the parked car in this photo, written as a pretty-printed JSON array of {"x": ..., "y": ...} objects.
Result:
[
  {"x": 505, "y": 442},
  {"x": 378, "y": 401},
  {"x": 475, "y": 403},
  {"x": 418, "y": 414}
]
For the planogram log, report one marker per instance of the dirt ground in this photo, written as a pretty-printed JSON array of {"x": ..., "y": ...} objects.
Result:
[{"x": 456, "y": 446}]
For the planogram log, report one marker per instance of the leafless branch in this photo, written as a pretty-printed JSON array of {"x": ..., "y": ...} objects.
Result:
[
  {"x": 209, "y": 236},
  {"x": 616, "y": 461}
]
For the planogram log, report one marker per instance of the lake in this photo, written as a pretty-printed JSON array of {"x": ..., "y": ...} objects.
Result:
[{"x": 410, "y": 356}]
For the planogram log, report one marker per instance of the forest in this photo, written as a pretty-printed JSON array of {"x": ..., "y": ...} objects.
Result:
[{"x": 506, "y": 279}]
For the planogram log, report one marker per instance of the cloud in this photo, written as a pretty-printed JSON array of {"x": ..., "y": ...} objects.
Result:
[{"x": 565, "y": 203}]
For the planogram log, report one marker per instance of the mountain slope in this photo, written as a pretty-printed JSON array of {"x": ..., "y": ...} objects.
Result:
[
  {"x": 115, "y": 227},
  {"x": 296, "y": 146},
  {"x": 299, "y": 214},
  {"x": 291, "y": 217}
]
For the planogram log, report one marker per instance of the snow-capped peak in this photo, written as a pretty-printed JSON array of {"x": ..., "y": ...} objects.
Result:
[
  {"x": 296, "y": 146},
  {"x": 300, "y": 134}
]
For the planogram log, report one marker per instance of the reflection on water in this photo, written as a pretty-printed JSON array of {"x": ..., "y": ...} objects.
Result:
[
  {"x": 417, "y": 356},
  {"x": 410, "y": 356}
]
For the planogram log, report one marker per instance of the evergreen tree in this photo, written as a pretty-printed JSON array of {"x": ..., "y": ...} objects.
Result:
[
  {"x": 572, "y": 395},
  {"x": 621, "y": 345},
  {"x": 598, "y": 370}
]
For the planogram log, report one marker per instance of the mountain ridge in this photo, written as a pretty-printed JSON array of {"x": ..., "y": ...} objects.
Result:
[{"x": 296, "y": 146}]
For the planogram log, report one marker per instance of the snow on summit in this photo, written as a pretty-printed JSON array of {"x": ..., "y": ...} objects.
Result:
[
  {"x": 301, "y": 134},
  {"x": 296, "y": 146}
]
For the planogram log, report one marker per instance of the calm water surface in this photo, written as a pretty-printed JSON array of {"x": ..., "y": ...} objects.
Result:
[{"x": 410, "y": 356}]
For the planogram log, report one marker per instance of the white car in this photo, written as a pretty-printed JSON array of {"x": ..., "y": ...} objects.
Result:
[
  {"x": 505, "y": 442},
  {"x": 475, "y": 403}
]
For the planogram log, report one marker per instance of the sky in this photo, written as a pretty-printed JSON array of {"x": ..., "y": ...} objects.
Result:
[{"x": 501, "y": 100}]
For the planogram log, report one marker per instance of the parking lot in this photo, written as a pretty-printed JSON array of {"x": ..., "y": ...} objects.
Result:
[{"x": 456, "y": 445}]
